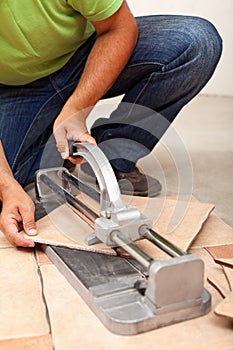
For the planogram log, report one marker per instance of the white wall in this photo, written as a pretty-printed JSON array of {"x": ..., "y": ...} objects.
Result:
[{"x": 220, "y": 13}]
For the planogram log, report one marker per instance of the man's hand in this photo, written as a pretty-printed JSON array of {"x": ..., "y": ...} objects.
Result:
[
  {"x": 71, "y": 125},
  {"x": 17, "y": 214}
]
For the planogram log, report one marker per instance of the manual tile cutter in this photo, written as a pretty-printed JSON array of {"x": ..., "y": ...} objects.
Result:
[{"x": 129, "y": 295}]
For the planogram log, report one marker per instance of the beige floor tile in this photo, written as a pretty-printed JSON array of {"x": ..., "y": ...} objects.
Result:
[
  {"x": 222, "y": 254},
  {"x": 229, "y": 275},
  {"x": 3, "y": 241},
  {"x": 214, "y": 272},
  {"x": 225, "y": 308},
  {"x": 41, "y": 257},
  {"x": 74, "y": 326},
  {"x": 22, "y": 311},
  {"x": 214, "y": 232},
  {"x": 221, "y": 251},
  {"x": 226, "y": 262},
  {"x": 42, "y": 342},
  {"x": 184, "y": 230}
]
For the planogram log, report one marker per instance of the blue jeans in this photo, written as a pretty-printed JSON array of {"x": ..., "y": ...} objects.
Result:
[{"x": 174, "y": 58}]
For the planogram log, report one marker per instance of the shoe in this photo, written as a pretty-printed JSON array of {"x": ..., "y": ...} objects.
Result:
[
  {"x": 133, "y": 183},
  {"x": 69, "y": 166},
  {"x": 136, "y": 183}
]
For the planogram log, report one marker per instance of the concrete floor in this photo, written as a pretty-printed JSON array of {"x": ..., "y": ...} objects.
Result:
[{"x": 206, "y": 128}]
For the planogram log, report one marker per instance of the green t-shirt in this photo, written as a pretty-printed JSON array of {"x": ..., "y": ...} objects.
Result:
[{"x": 37, "y": 37}]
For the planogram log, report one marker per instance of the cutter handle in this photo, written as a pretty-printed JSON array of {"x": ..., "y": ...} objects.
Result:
[{"x": 110, "y": 198}]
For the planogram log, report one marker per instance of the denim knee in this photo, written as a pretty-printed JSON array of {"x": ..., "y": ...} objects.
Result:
[{"x": 207, "y": 42}]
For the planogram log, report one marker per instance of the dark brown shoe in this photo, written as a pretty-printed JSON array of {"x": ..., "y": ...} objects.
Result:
[
  {"x": 68, "y": 165},
  {"x": 138, "y": 184},
  {"x": 134, "y": 183}
]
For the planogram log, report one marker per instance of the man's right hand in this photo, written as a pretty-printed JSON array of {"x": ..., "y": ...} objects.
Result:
[{"x": 17, "y": 214}]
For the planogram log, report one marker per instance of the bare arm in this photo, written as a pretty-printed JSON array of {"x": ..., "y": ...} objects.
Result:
[
  {"x": 17, "y": 206},
  {"x": 117, "y": 37}
]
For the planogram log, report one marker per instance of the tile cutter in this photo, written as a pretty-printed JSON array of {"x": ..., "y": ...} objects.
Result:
[{"x": 129, "y": 295}]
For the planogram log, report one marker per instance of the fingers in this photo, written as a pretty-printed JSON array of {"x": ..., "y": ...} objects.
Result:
[
  {"x": 86, "y": 137},
  {"x": 17, "y": 214},
  {"x": 61, "y": 141},
  {"x": 29, "y": 224},
  {"x": 15, "y": 237},
  {"x": 70, "y": 129}
]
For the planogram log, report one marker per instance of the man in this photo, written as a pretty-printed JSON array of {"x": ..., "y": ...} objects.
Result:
[{"x": 59, "y": 58}]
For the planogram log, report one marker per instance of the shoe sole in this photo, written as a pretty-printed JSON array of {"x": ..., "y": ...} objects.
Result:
[{"x": 90, "y": 180}]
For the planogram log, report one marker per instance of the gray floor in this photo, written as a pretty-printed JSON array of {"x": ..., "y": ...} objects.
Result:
[{"x": 206, "y": 128}]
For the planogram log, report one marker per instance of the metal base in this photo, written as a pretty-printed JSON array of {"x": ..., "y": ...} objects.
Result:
[{"x": 114, "y": 287}]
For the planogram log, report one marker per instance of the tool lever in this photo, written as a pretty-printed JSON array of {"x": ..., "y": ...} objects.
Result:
[
  {"x": 110, "y": 194},
  {"x": 114, "y": 215}
]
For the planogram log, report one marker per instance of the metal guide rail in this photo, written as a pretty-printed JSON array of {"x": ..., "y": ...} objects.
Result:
[{"x": 129, "y": 296}]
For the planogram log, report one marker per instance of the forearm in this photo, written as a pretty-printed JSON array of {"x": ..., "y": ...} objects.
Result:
[
  {"x": 117, "y": 37},
  {"x": 6, "y": 176},
  {"x": 107, "y": 58}
]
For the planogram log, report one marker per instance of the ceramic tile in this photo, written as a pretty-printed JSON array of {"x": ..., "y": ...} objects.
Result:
[
  {"x": 73, "y": 323},
  {"x": 4, "y": 242},
  {"x": 64, "y": 228},
  {"x": 214, "y": 273},
  {"x": 184, "y": 230},
  {"x": 42, "y": 258},
  {"x": 229, "y": 275},
  {"x": 225, "y": 262},
  {"x": 225, "y": 308},
  {"x": 43, "y": 342},
  {"x": 221, "y": 251},
  {"x": 23, "y": 312},
  {"x": 179, "y": 221},
  {"x": 222, "y": 254},
  {"x": 215, "y": 232}
]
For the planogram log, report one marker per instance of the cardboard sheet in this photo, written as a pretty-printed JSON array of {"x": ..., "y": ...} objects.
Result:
[{"x": 62, "y": 227}]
